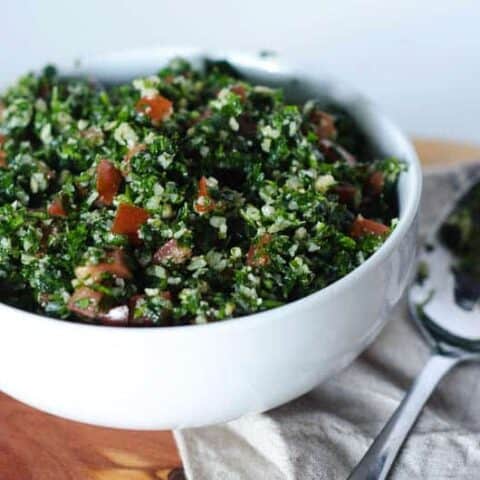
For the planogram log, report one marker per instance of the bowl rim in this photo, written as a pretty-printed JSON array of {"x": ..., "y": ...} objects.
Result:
[{"x": 413, "y": 189}]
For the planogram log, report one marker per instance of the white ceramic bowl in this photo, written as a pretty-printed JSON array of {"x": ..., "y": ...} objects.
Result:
[{"x": 189, "y": 376}]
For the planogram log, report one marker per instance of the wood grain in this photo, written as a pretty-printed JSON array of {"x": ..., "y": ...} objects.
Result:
[
  {"x": 434, "y": 152},
  {"x": 37, "y": 446}
]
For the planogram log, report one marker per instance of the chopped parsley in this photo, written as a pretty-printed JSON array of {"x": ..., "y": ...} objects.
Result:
[{"x": 184, "y": 197}]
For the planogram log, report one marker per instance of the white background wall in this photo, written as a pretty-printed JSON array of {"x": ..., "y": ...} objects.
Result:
[{"x": 419, "y": 59}]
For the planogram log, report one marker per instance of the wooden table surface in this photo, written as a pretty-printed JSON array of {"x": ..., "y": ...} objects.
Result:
[{"x": 37, "y": 446}]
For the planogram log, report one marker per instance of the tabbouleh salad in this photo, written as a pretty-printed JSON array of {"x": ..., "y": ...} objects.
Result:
[{"x": 184, "y": 197}]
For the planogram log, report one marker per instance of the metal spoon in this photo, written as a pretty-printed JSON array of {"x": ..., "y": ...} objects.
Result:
[{"x": 445, "y": 307}]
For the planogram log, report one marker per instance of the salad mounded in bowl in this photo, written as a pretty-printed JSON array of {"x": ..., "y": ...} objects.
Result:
[{"x": 185, "y": 197}]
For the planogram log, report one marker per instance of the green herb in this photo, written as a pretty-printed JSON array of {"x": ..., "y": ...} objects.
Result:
[{"x": 184, "y": 197}]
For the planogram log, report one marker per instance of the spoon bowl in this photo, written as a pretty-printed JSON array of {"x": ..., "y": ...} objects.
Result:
[
  {"x": 442, "y": 299},
  {"x": 443, "y": 302}
]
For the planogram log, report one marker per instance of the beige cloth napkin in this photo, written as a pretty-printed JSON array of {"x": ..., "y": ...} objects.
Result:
[{"x": 323, "y": 434}]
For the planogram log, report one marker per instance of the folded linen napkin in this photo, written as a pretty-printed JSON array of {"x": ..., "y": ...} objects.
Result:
[{"x": 323, "y": 434}]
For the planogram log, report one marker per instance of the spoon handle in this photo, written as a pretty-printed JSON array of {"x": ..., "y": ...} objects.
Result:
[{"x": 379, "y": 458}]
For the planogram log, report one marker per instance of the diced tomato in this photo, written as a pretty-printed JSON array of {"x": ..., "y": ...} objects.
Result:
[
  {"x": 324, "y": 125},
  {"x": 172, "y": 252},
  {"x": 116, "y": 265},
  {"x": 256, "y": 256},
  {"x": 363, "y": 226},
  {"x": 3, "y": 154},
  {"x": 240, "y": 91},
  {"x": 203, "y": 187},
  {"x": 204, "y": 203},
  {"x": 3, "y": 159},
  {"x": 129, "y": 219},
  {"x": 109, "y": 180},
  {"x": 116, "y": 317},
  {"x": 346, "y": 192},
  {"x": 85, "y": 302},
  {"x": 56, "y": 208},
  {"x": 376, "y": 182},
  {"x": 119, "y": 264},
  {"x": 157, "y": 108}
]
